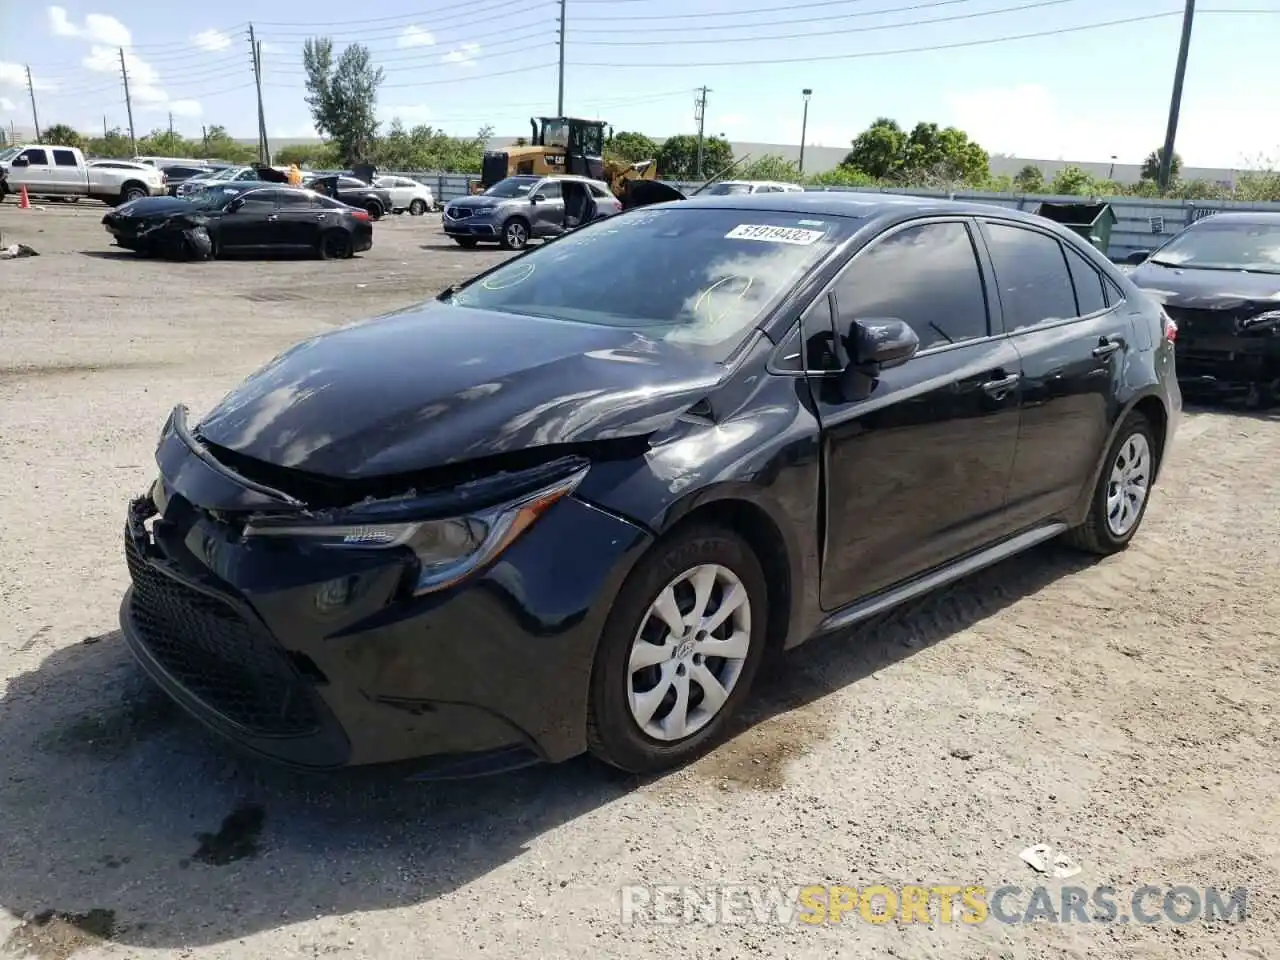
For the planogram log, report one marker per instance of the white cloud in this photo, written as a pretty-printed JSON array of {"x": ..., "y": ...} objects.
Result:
[
  {"x": 464, "y": 56},
  {"x": 15, "y": 75},
  {"x": 144, "y": 80},
  {"x": 7, "y": 105},
  {"x": 211, "y": 40},
  {"x": 413, "y": 36},
  {"x": 270, "y": 47},
  {"x": 97, "y": 28}
]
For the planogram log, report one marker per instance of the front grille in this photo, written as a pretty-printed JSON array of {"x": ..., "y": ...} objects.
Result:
[
  {"x": 219, "y": 656},
  {"x": 1205, "y": 323},
  {"x": 458, "y": 213}
]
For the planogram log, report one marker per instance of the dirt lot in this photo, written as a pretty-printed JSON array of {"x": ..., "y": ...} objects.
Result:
[{"x": 1122, "y": 711}]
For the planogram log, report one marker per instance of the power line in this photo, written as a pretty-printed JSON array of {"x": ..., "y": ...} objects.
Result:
[
  {"x": 432, "y": 20},
  {"x": 1019, "y": 8},
  {"x": 932, "y": 48},
  {"x": 784, "y": 8},
  {"x": 414, "y": 59}
]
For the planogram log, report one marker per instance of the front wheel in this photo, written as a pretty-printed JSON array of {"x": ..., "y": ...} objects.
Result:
[
  {"x": 515, "y": 234},
  {"x": 467, "y": 242},
  {"x": 679, "y": 651},
  {"x": 1123, "y": 490},
  {"x": 418, "y": 207},
  {"x": 132, "y": 192}
]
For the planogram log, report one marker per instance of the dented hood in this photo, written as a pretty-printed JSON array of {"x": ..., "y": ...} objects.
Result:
[{"x": 439, "y": 384}]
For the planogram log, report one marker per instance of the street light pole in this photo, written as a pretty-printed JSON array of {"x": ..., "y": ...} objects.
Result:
[
  {"x": 804, "y": 125},
  {"x": 1111, "y": 171}
]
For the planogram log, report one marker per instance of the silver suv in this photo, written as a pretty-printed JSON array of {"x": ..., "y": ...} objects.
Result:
[{"x": 519, "y": 209}]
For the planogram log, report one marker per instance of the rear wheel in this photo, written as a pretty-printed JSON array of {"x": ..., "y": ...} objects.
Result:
[
  {"x": 418, "y": 207},
  {"x": 679, "y": 651},
  {"x": 1123, "y": 490},
  {"x": 335, "y": 245},
  {"x": 515, "y": 234},
  {"x": 374, "y": 208},
  {"x": 132, "y": 191},
  {"x": 467, "y": 242}
]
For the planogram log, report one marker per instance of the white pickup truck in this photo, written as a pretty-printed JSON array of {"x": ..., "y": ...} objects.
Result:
[{"x": 49, "y": 171}]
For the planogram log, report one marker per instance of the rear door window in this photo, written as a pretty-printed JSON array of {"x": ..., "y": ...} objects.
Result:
[
  {"x": 64, "y": 158},
  {"x": 1031, "y": 272},
  {"x": 1090, "y": 297}
]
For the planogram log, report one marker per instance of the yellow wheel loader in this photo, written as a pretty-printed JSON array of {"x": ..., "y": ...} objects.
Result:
[{"x": 563, "y": 145}]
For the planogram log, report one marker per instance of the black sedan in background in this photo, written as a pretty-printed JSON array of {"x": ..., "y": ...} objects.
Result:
[
  {"x": 572, "y": 503},
  {"x": 1219, "y": 279},
  {"x": 241, "y": 217},
  {"x": 376, "y": 201}
]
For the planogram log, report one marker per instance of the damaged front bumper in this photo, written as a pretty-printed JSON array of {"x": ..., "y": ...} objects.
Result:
[{"x": 322, "y": 658}]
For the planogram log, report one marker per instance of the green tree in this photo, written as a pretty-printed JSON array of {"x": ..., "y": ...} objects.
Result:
[
  {"x": 343, "y": 97},
  {"x": 114, "y": 145},
  {"x": 1151, "y": 165},
  {"x": 161, "y": 143},
  {"x": 878, "y": 151},
  {"x": 770, "y": 167},
  {"x": 943, "y": 154},
  {"x": 843, "y": 176},
  {"x": 1030, "y": 179},
  {"x": 218, "y": 144},
  {"x": 61, "y": 135},
  {"x": 631, "y": 147},
  {"x": 1073, "y": 180},
  {"x": 678, "y": 157},
  {"x": 319, "y": 156}
]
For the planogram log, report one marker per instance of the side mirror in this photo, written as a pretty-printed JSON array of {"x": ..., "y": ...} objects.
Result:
[
  {"x": 539, "y": 198},
  {"x": 20, "y": 162},
  {"x": 1137, "y": 257},
  {"x": 872, "y": 346},
  {"x": 234, "y": 205}
]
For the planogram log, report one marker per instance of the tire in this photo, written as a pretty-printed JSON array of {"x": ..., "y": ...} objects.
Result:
[
  {"x": 334, "y": 245},
  {"x": 375, "y": 209},
  {"x": 515, "y": 234},
  {"x": 418, "y": 207},
  {"x": 132, "y": 191},
  {"x": 1134, "y": 449},
  {"x": 467, "y": 242},
  {"x": 615, "y": 733}
]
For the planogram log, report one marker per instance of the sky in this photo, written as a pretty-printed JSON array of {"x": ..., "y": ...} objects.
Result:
[{"x": 1084, "y": 87}]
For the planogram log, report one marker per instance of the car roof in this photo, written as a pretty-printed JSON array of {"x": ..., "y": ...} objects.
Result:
[
  {"x": 850, "y": 203},
  {"x": 1242, "y": 217}
]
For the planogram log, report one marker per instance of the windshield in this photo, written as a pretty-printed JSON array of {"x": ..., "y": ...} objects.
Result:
[
  {"x": 555, "y": 133},
  {"x": 726, "y": 189},
  {"x": 1224, "y": 246},
  {"x": 700, "y": 277},
  {"x": 512, "y": 187},
  {"x": 9, "y": 154},
  {"x": 229, "y": 173}
]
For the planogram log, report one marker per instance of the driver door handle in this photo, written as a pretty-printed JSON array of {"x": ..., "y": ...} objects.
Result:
[
  {"x": 998, "y": 388},
  {"x": 1107, "y": 346},
  {"x": 273, "y": 216}
]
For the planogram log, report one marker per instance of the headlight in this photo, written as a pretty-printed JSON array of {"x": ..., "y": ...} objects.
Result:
[
  {"x": 1269, "y": 321},
  {"x": 447, "y": 550}
]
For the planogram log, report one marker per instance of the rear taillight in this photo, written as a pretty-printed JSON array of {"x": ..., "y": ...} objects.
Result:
[
  {"x": 360, "y": 215},
  {"x": 1170, "y": 328}
]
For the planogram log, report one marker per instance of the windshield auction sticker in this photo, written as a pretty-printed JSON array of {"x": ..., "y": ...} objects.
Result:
[{"x": 771, "y": 234}]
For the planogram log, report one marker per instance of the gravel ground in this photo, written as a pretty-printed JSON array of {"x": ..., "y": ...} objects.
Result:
[{"x": 1121, "y": 711}]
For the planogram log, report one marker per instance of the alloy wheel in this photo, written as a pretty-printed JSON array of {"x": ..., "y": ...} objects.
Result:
[
  {"x": 1128, "y": 485},
  {"x": 517, "y": 235},
  {"x": 689, "y": 652}
]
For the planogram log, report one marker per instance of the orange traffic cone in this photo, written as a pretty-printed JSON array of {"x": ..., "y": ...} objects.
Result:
[{"x": 24, "y": 202}]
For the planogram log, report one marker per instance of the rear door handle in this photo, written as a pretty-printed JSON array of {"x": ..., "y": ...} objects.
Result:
[
  {"x": 1107, "y": 346},
  {"x": 998, "y": 388},
  {"x": 272, "y": 216}
]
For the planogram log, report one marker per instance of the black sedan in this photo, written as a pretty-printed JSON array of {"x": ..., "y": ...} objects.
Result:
[
  {"x": 354, "y": 192},
  {"x": 571, "y": 504},
  {"x": 1219, "y": 280},
  {"x": 241, "y": 217}
]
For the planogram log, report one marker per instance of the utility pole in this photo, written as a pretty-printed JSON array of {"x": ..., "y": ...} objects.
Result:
[
  {"x": 560, "y": 93},
  {"x": 264, "y": 152},
  {"x": 170, "y": 126},
  {"x": 104, "y": 126},
  {"x": 124, "y": 74},
  {"x": 31, "y": 89},
  {"x": 1175, "y": 103},
  {"x": 804, "y": 126},
  {"x": 204, "y": 138},
  {"x": 700, "y": 115}
]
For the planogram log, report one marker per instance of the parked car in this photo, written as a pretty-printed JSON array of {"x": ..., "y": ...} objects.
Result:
[
  {"x": 407, "y": 194},
  {"x": 376, "y": 201},
  {"x": 572, "y": 503},
  {"x": 177, "y": 174},
  {"x": 738, "y": 187},
  {"x": 253, "y": 172},
  {"x": 522, "y": 208},
  {"x": 244, "y": 216},
  {"x": 1219, "y": 280},
  {"x": 63, "y": 172},
  {"x": 172, "y": 161}
]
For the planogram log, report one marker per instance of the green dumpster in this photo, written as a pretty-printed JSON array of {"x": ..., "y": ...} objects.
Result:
[{"x": 1093, "y": 221}]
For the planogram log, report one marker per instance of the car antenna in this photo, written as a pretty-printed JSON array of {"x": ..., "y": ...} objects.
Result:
[{"x": 716, "y": 176}]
